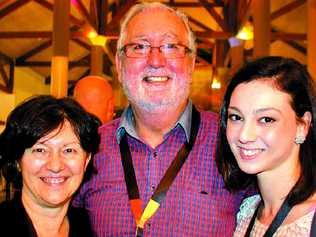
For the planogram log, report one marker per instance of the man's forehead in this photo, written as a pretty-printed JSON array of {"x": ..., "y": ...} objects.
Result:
[{"x": 156, "y": 22}]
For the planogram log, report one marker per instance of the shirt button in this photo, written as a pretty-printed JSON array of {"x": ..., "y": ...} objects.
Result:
[
  {"x": 155, "y": 154},
  {"x": 153, "y": 187}
]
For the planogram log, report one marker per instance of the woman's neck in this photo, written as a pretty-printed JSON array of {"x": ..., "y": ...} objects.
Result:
[
  {"x": 47, "y": 221},
  {"x": 274, "y": 187}
]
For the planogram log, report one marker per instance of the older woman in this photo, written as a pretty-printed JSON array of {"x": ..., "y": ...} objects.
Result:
[
  {"x": 268, "y": 138},
  {"x": 49, "y": 143}
]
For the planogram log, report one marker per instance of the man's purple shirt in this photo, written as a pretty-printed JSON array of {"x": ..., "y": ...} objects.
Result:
[{"x": 196, "y": 204}]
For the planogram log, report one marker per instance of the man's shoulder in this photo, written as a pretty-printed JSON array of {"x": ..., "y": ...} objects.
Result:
[
  {"x": 209, "y": 119},
  {"x": 109, "y": 128}
]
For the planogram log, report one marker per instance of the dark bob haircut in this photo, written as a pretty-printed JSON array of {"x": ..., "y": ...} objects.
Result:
[
  {"x": 37, "y": 117},
  {"x": 290, "y": 77}
]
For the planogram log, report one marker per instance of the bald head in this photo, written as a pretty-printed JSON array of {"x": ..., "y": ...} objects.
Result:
[{"x": 95, "y": 94}]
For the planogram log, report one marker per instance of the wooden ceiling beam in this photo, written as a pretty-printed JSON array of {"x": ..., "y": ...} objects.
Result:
[
  {"x": 296, "y": 46},
  {"x": 219, "y": 20},
  {"x": 5, "y": 89},
  {"x": 114, "y": 23},
  {"x": 82, "y": 44},
  {"x": 25, "y": 34},
  {"x": 205, "y": 45},
  {"x": 194, "y": 4},
  {"x": 102, "y": 15},
  {"x": 244, "y": 8},
  {"x": 286, "y": 9},
  {"x": 6, "y": 57},
  {"x": 84, "y": 61},
  {"x": 34, "y": 51},
  {"x": 199, "y": 24},
  {"x": 4, "y": 2},
  {"x": 231, "y": 15},
  {"x": 83, "y": 11},
  {"x": 287, "y": 36},
  {"x": 48, "y": 64},
  {"x": 4, "y": 74},
  {"x": 50, "y": 7},
  {"x": 12, "y": 7},
  {"x": 213, "y": 34}
]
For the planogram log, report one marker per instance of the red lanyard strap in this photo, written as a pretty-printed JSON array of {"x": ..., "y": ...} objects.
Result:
[{"x": 165, "y": 182}]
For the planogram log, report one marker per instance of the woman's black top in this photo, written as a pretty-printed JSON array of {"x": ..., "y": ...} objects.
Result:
[{"x": 14, "y": 221}]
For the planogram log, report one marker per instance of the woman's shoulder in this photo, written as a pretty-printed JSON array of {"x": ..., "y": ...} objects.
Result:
[
  {"x": 248, "y": 207},
  {"x": 13, "y": 222},
  {"x": 7, "y": 209},
  {"x": 79, "y": 222}
]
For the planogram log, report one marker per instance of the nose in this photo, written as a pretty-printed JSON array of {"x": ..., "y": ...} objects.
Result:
[
  {"x": 248, "y": 133},
  {"x": 55, "y": 162},
  {"x": 156, "y": 58}
]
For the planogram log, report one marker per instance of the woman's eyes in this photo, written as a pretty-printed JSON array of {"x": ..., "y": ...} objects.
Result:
[
  {"x": 234, "y": 117},
  {"x": 69, "y": 150},
  {"x": 264, "y": 120},
  {"x": 38, "y": 150},
  {"x": 267, "y": 120}
]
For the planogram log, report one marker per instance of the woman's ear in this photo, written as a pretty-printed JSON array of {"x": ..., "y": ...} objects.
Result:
[
  {"x": 304, "y": 124},
  {"x": 87, "y": 161}
]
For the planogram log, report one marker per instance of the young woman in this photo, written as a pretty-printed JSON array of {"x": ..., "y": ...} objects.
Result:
[
  {"x": 46, "y": 147},
  {"x": 268, "y": 138}
]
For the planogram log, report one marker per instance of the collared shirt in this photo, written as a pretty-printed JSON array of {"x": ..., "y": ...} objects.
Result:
[{"x": 196, "y": 204}]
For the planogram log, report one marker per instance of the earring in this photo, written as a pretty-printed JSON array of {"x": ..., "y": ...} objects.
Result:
[
  {"x": 17, "y": 165},
  {"x": 299, "y": 139}
]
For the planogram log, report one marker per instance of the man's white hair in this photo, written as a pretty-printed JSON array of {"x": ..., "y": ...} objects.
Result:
[{"x": 136, "y": 9}]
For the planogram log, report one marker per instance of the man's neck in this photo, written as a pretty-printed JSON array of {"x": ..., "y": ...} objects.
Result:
[{"x": 152, "y": 127}]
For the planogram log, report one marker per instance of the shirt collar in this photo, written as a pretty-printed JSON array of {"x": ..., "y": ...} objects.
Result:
[{"x": 127, "y": 123}]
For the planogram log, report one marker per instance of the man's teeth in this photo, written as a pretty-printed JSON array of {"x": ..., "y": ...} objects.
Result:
[
  {"x": 156, "y": 79},
  {"x": 51, "y": 180}
]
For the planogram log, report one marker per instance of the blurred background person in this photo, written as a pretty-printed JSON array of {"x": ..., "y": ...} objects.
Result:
[
  {"x": 47, "y": 143},
  {"x": 95, "y": 94},
  {"x": 267, "y": 138}
]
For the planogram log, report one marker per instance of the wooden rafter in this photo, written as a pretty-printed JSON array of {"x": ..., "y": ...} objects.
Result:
[
  {"x": 83, "y": 11},
  {"x": 6, "y": 57},
  {"x": 195, "y": 4},
  {"x": 3, "y": 74},
  {"x": 114, "y": 23},
  {"x": 243, "y": 12},
  {"x": 4, "y": 2},
  {"x": 213, "y": 34},
  {"x": 12, "y": 7},
  {"x": 296, "y": 46},
  {"x": 286, "y": 9},
  {"x": 8, "y": 79},
  {"x": 287, "y": 36},
  {"x": 34, "y": 51},
  {"x": 50, "y": 7},
  {"x": 231, "y": 16},
  {"x": 82, "y": 44},
  {"x": 199, "y": 24},
  {"x": 48, "y": 64},
  {"x": 102, "y": 13},
  {"x": 219, "y": 20}
]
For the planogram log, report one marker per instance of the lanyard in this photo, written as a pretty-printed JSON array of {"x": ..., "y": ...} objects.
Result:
[
  {"x": 130, "y": 179},
  {"x": 277, "y": 221}
]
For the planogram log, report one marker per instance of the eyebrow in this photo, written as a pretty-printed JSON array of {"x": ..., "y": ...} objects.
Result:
[
  {"x": 166, "y": 35},
  {"x": 261, "y": 110}
]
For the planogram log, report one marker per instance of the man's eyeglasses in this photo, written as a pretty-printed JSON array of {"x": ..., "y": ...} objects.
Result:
[{"x": 169, "y": 51}]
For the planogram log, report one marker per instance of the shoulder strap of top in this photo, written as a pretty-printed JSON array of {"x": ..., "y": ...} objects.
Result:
[{"x": 313, "y": 228}]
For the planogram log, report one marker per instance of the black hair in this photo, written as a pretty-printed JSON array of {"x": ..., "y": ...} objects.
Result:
[
  {"x": 37, "y": 117},
  {"x": 291, "y": 77}
]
